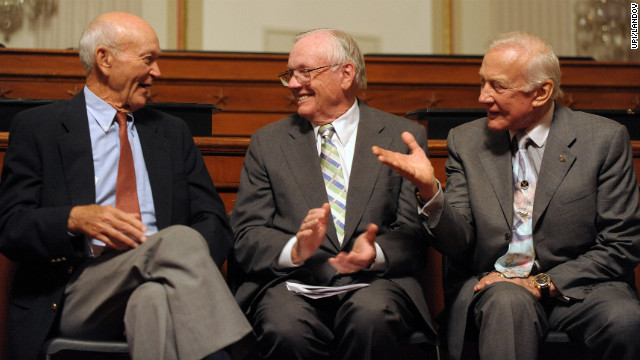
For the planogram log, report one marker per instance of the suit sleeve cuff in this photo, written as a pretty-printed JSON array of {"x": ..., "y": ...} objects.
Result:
[{"x": 430, "y": 211}]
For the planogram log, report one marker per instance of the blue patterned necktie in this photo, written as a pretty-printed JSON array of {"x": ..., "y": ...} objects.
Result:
[
  {"x": 519, "y": 259},
  {"x": 333, "y": 179}
]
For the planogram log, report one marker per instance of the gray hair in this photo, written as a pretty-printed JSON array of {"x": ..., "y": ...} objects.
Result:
[
  {"x": 98, "y": 33},
  {"x": 343, "y": 48},
  {"x": 543, "y": 64}
]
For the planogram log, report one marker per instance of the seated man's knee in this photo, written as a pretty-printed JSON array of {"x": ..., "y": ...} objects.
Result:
[
  {"x": 507, "y": 303},
  {"x": 148, "y": 292},
  {"x": 182, "y": 237},
  {"x": 621, "y": 321},
  {"x": 286, "y": 336},
  {"x": 380, "y": 311},
  {"x": 147, "y": 296},
  {"x": 366, "y": 313},
  {"x": 283, "y": 329},
  {"x": 147, "y": 301},
  {"x": 505, "y": 295},
  {"x": 287, "y": 327},
  {"x": 181, "y": 231}
]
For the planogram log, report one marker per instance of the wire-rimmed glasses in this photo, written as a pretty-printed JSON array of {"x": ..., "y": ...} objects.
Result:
[{"x": 302, "y": 75}]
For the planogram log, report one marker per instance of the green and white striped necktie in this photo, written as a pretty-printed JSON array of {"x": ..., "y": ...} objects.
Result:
[{"x": 333, "y": 179}]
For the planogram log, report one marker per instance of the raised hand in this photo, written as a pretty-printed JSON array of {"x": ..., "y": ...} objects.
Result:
[
  {"x": 311, "y": 233},
  {"x": 361, "y": 255},
  {"x": 414, "y": 167}
]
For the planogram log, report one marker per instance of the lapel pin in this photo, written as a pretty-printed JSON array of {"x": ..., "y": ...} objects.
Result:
[{"x": 561, "y": 158}]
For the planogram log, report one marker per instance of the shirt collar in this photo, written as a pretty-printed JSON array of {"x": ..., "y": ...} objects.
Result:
[
  {"x": 345, "y": 125},
  {"x": 101, "y": 111},
  {"x": 540, "y": 131}
]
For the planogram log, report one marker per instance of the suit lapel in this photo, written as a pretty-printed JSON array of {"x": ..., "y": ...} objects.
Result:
[
  {"x": 156, "y": 151},
  {"x": 301, "y": 154},
  {"x": 556, "y": 161},
  {"x": 76, "y": 153},
  {"x": 365, "y": 169},
  {"x": 497, "y": 165}
]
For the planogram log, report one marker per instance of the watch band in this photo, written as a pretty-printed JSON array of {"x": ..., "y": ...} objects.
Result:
[{"x": 544, "y": 291}]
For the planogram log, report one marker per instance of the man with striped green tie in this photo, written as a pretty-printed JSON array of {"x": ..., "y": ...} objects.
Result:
[{"x": 315, "y": 207}]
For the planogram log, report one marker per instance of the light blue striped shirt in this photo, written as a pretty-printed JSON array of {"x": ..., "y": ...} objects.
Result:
[{"x": 105, "y": 145}]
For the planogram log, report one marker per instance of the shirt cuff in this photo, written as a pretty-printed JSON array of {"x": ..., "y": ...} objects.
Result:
[
  {"x": 432, "y": 209},
  {"x": 284, "y": 261},
  {"x": 380, "y": 261}
]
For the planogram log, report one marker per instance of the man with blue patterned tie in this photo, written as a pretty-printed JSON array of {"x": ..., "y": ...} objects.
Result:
[
  {"x": 542, "y": 235},
  {"x": 358, "y": 225}
]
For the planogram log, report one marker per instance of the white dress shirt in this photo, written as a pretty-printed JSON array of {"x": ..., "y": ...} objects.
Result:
[{"x": 346, "y": 130}]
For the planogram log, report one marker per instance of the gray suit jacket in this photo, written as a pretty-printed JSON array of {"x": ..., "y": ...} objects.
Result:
[
  {"x": 281, "y": 181},
  {"x": 586, "y": 217}
]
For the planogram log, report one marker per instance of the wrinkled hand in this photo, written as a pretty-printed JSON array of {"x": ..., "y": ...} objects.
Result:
[
  {"x": 311, "y": 233},
  {"x": 117, "y": 229},
  {"x": 361, "y": 255},
  {"x": 415, "y": 167},
  {"x": 495, "y": 276}
]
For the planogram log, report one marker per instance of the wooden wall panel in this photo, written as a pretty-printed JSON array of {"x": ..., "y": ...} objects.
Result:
[
  {"x": 231, "y": 97},
  {"x": 242, "y": 123},
  {"x": 248, "y": 83},
  {"x": 247, "y": 89}
]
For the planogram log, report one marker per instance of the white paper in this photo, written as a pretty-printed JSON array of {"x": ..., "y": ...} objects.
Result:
[{"x": 317, "y": 292}]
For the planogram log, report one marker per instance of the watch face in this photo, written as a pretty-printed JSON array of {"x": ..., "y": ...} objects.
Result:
[{"x": 542, "y": 279}]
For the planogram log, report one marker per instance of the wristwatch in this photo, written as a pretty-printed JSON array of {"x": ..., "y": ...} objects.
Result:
[{"x": 542, "y": 281}]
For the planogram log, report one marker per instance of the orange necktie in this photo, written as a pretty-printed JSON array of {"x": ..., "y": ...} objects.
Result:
[{"x": 126, "y": 190}]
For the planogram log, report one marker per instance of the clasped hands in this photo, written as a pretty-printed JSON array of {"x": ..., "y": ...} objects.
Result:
[
  {"x": 417, "y": 168},
  {"x": 114, "y": 227},
  {"x": 525, "y": 282},
  {"x": 312, "y": 232}
]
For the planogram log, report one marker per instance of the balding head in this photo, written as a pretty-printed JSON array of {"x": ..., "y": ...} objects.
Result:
[
  {"x": 114, "y": 31},
  {"x": 540, "y": 62},
  {"x": 119, "y": 52}
]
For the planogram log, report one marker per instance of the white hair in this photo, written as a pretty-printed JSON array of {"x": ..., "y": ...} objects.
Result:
[
  {"x": 343, "y": 48},
  {"x": 98, "y": 33},
  {"x": 543, "y": 64}
]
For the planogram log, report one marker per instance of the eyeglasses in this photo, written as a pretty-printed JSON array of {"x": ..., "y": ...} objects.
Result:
[{"x": 302, "y": 75}]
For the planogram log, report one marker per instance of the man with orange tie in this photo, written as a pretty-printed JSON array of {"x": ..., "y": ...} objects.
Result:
[{"x": 113, "y": 218}]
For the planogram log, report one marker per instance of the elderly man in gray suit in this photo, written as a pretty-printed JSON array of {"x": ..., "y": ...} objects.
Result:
[
  {"x": 520, "y": 267},
  {"x": 358, "y": 225}
]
